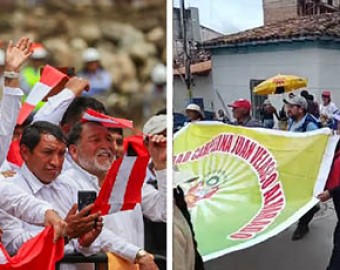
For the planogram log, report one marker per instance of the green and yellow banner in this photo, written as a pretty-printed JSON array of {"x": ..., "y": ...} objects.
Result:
[{"x": 244, "y": 185}]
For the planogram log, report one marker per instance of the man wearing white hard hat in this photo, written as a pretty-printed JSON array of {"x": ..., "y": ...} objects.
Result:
[{"x": 100, "y": 79}]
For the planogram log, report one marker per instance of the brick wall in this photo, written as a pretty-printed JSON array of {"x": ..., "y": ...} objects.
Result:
[{"x": 277, "y": 10}]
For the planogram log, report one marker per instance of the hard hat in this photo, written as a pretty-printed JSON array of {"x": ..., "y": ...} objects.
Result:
[
  {"x": 90, "y": 55},
  {"x": 39, "y": 52},
  {"x": 2, "y": 58},
  {"x": 158, "y": 74}
]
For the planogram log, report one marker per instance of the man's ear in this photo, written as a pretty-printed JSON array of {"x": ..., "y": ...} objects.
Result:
[
  {"x": 72, "y": 150},
  {"x": 25, "y": 152}
]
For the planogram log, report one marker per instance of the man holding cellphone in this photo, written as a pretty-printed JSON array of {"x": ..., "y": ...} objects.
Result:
[
  {"x": 92, "y": 150},
  {"x": 43, "y": 147}
]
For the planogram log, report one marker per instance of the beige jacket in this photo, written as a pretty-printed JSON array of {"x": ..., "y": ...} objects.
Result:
[{"x": 183, "y": 246}]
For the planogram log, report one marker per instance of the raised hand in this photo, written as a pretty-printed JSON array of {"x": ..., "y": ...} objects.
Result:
[
  {"x": 157, "y": 150},
  {"x": 17, "y": 54},
  {"x": 77, "y": 85}
]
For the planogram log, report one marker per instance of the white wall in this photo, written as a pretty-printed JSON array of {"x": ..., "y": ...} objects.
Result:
[
  {"x": 202, "y": 88},
  {"x": 233, "y": 72}
]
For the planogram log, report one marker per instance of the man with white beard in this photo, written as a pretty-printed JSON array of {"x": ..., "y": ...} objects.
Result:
[{"x": 92, "y": 150}]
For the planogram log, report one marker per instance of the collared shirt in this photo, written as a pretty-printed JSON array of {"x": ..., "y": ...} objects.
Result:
[
  {"x": 16, "y": 231},
  {"x": 61, "y": 195},
  {"x": 10, "y": 106},
  {"x": 19, "y": 204},
  {"x": 126, "y": 226},
  {"x": 100, "y": 81}
]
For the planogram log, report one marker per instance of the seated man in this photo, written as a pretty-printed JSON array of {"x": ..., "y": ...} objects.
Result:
[{"x": 92, "y": 151}]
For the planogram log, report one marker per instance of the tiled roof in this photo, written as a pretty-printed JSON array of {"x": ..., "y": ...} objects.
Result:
[{"x": 324, "y": 26}]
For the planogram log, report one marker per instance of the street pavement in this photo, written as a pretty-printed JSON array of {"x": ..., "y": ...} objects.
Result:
[{"x": 281, "y": 253}]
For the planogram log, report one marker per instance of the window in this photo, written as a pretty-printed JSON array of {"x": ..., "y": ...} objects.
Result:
[{"x": 256, "y": 100}]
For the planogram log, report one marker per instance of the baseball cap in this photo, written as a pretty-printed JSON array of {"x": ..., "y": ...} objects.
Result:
[
  {"x": 241, "y": 103},
  {"x": 155, "y": 125},
  {"x": 194, "y": 107},
  {"x": 297, "y": 101},
  {"x": 326, "y": 93}
]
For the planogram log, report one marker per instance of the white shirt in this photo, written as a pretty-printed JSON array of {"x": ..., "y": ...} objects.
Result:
[
  {"x": 55, "y": 107},
  {"x": 19, "y": 204},
  {"x": 126, "y": 226},
  {"x": 10, "y": 106},
  {"x": 329, "y": 110},
  {"x": 61, "y": 195}
]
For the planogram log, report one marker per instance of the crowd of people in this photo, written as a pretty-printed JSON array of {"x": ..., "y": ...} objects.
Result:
[
  {"x": 299, "y": 113},
  {"x": 57, "y": 154}
]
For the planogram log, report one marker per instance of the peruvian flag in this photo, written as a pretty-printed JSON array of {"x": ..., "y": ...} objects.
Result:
[
  {"x": 122, "y": 187},
  {"x": 38, "y": 253},
  {"x": 13, "y": 154},
  {"x": 49, "y": 78},
  {"x": 106, "y": 120},
  {"x": 135, "y": 145}
]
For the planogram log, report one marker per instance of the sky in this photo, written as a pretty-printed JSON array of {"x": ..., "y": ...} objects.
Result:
[{"x": 228, "y": 16}]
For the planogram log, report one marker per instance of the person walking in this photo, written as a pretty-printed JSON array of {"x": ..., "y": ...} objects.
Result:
[{"x": 301, "y": 121}]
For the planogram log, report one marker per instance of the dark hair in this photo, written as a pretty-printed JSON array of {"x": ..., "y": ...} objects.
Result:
[
  {"x": 310, "y": 97},
  {"x": 162, "y": 111},
  {"x": 116, "y": 130},
  {"x": 75, "y": 134},
  {"x": 32, "y": 134},
  {"x": 304, "y": 93},
  {"x": 78, "y": 107}
]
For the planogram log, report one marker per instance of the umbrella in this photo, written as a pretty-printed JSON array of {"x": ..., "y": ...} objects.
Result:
[{"x": 280, "y": 84}]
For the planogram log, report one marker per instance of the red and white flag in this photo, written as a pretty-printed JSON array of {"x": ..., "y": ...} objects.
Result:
[
  {"x": 38, "y": 253},
  {"x": 122, "y": 188},
  {"x": 49, "y": 78},
  {"x": 106, "y": 120}
]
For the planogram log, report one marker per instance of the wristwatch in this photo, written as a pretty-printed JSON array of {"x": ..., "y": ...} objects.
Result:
[{"x": 140, "y": 254}]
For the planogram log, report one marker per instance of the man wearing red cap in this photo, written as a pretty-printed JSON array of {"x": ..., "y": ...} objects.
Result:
[
  {"x": 327, "y": 108},
  {"x": 241, "y": 112}
]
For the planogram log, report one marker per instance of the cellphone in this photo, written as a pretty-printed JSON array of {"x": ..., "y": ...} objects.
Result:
[{"x": 86, "y": 197}]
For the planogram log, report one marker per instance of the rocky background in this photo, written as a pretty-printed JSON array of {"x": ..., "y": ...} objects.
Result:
[{"x": 129, "y": 34}]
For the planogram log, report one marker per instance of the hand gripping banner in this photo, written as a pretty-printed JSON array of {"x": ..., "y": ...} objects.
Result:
[{"x": 244, "y": 185}]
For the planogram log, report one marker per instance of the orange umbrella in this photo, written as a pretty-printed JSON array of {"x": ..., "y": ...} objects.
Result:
[{"x": 280, "y": 84}]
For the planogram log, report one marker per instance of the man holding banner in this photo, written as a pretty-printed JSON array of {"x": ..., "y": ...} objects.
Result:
[
  {"x": 260, "y": 177},
  {"x": 301, "y": 121}
]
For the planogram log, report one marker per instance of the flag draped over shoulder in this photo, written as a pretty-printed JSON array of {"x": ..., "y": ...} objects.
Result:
[
  {"x": 244, "y": 185},
  {"x": 38, "y": 253},
  {"x": 122, "y": 187},
  {"x": 50, "y": 78}
]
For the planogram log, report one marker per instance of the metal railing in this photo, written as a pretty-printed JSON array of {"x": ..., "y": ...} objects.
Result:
[{"x": 100, "y": 259}]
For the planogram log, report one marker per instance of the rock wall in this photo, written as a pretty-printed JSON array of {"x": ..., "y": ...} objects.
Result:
[{"x": 130, "y": 35}]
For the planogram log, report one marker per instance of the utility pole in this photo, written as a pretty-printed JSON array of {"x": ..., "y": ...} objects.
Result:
[{"x": 186, "y": 49}]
